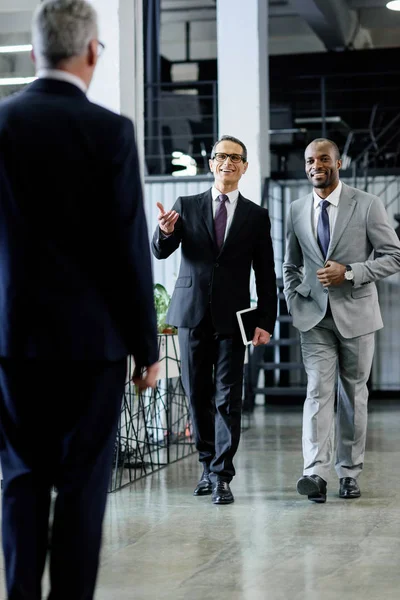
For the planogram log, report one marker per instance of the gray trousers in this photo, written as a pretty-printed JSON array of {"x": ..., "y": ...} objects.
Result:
[{"x": 331, "y": 359}]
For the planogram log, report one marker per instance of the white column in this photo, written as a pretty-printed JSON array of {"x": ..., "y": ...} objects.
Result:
[
  {"x": 118, "y": 82},
  {"x": 243, "y": 90}
]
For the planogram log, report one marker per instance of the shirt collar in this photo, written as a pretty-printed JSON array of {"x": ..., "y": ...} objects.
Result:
[
  {"x": 62, "y": 76},
  {"x": 333, "y": 197},
  {"x": 233, "y": 196}
]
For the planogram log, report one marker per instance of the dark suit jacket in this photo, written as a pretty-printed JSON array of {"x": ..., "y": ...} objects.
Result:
[
  {"x": 222, "y": 278},
  {"x": 75, "y": 275}
]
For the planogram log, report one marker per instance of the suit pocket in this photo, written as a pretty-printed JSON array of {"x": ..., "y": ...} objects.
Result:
[
  {"x": 183, "y": 282},
  {"x": 362, "y": 292},
  {"x": 303, "y": 289}
]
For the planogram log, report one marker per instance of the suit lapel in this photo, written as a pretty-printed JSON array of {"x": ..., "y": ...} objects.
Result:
[
  {"x": 346, "y": 208},
  {"x": 239, "y": 217},
  {"x": 205, "y": 202}
]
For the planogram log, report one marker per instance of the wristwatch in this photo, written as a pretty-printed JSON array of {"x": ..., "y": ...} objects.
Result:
[{"x": 349, "y": 273}]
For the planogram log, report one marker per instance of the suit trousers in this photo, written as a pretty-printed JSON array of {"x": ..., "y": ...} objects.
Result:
[
  {"x": 58, "y": 424},
  {"x": 212, "y": 376},
  {"x": 331, "y": 360}
]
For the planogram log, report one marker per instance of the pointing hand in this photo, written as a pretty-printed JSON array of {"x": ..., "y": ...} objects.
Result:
[{"x": 166, "y": 220}]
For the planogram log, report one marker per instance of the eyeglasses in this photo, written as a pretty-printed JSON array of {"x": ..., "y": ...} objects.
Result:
[
  {"x": 100, "y": 47},
  {"x": 222, "y": 156}
]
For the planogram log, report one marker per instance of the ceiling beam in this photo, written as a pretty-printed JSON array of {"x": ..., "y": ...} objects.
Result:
[{"x": 335, "y": 24}]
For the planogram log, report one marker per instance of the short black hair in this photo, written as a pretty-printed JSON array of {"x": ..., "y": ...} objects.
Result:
[
  {"x": 326, "y": 141},
  {"x": 230, "y": 138}
]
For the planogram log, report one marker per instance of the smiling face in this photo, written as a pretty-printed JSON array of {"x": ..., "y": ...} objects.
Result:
[
  {"x": 322, "y": 167},
  {"x": 227, "y": 174}
]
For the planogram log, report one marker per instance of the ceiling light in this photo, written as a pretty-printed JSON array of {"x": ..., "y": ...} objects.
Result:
[
  {"x": 393, "y": 5},
  {"x": 16, "y": 80},
  {"x": 12, "y": 49}
]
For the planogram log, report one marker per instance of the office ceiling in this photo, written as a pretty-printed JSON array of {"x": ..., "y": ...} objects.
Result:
[
  {"x": 295, "y": 27},
  {"x": 288, "y": 18},
  {"x": 372, "y": 24}
]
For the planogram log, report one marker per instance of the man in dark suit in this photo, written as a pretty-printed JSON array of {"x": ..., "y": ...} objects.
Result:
[
  {"x": 75, "y": 300},
  {"x": 222, "y": 235}
]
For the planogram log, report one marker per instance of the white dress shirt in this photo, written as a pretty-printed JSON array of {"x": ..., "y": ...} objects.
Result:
[
  {"x": 332, "y": 209},
  {"x": 62, "y": 76},
  {"x": 230, "y": 206}
]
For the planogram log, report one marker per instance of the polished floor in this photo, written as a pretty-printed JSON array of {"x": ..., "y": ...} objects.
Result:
[{"x": 161, "y": 543}]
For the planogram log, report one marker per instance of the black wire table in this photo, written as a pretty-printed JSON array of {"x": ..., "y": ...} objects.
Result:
[{"x": 154, "y": 428}]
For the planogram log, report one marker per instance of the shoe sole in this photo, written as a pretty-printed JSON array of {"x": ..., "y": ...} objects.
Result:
[
  {"x": 223, "y": 501},
  {"x": 309, "y": 487}
]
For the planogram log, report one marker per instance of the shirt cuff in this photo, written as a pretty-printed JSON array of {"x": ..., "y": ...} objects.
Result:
[{"x": 164, "y": 236}]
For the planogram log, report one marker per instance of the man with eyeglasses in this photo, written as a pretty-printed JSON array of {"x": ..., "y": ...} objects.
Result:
[
  {"x": 76, "y": 298},
  {"x": 222, "y": 236}
]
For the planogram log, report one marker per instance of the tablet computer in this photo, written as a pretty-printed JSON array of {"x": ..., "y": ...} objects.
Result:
[{"x": 247, "y": 320}]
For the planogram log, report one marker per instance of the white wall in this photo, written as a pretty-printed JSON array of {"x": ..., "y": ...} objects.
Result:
[{"x": 166, "y": 271}]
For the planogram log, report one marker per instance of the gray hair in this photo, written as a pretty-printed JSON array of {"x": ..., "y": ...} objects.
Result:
[
  {"x": 230, "y": 138},
  {"x": 62, "y": 29}
]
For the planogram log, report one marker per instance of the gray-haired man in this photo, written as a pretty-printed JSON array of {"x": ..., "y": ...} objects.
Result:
[{"x": 76, "y": 298}]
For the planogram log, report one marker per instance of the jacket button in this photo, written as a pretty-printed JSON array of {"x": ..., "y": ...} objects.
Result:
[
  {"x": 216, "y": 265},
  {"x": 325, "y": 291}
]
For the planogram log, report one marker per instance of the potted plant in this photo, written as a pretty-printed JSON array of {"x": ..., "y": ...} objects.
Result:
[{"x": 161, "y": 301}]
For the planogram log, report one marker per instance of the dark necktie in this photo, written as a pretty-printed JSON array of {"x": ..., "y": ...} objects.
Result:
[
  {"x": 221, "y": 216},
  {"x": 323, "y": 231}
]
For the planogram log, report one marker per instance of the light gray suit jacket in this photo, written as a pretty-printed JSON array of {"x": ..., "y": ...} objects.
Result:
[{"x": 363, "y": 238}]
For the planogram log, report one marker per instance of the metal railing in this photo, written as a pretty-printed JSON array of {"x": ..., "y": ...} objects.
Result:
[
  {"x": 181, "y": 121},
  {"x": 361, "y": 117}
]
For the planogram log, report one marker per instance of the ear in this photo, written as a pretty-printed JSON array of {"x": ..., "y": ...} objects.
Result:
[
  {"x": 33, "y": 57},
  {"x": 339, "y": 164},
  {"x": 211, "y": 165},
  {"x": 92, "y": 53}
]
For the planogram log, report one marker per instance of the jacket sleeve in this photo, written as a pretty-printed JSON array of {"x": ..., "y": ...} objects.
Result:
[
  {"x": 386, "y": 244},
  {"x": 293, "y": 262},
  {"x": 163, "y": 246},
  {"x": 264, "y": 270},
  {"x": 138, "y": 318}
]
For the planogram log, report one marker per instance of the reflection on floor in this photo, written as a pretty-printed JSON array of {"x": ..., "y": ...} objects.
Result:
[{"x": 161, "y": 543}]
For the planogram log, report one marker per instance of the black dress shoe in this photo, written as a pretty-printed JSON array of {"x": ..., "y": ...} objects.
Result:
[
  {"x": 312, "y": 486},
  {"x": 349, "y": 488},
  {"x": 221, "y": 493},
  {"x": 204, "y": 486}
]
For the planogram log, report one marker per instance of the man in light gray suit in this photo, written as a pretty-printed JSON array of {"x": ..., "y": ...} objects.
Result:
[{"x": 339, "y": 242}]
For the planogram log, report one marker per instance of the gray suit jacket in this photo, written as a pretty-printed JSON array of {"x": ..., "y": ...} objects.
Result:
[{"x": 363, "y": 238}]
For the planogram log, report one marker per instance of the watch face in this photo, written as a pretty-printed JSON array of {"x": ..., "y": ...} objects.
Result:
[{"x": 349, "y": 275}]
